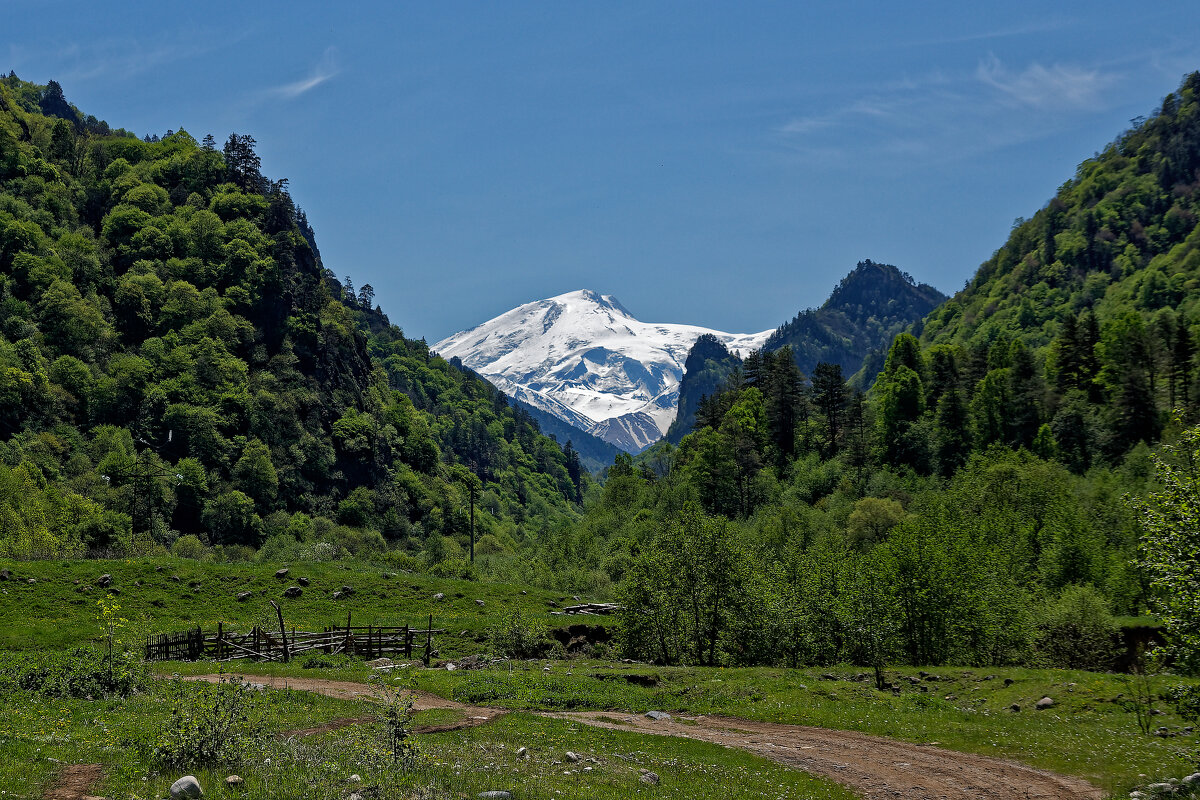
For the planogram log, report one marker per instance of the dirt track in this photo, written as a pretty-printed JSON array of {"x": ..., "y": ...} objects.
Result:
[{"x": 874, "y": 766}]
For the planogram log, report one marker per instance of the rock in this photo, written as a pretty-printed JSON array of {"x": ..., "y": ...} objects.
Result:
[
  {"x": 281, "y": 574},
  {"x": 495, "y": 795},
  {"x": 829, "y": 677},
  {"x": 104, "y": 580},
  {"x": 522, "y": 752},
  {"x": 1162, "y": 732},
  {"x": 451, "y": 667},
  {"x": 575, "y": 597},
  {"x": 186, "y": 787},
  {"x": 524, "y": 592},
  {"x": 478, "y": 602},
  {"x": 932, "y": 678},
  {"x": 5, "y": 575},
  {"x": 572, "y": 757},
  {"x": 649, "y": 778},
  {"x": 1192, "y": 780},
  {"x": 31, "y": 581},
  {"x": 658, "y": 716},
  {"x": 293, "y": 591},
  {"x": 439, "y": 596},
  {"x": 337, "y": 595},
  {"x": 244, "y": 596},
  {"x": 1044, "y": 703},
  {"x": 951, "y": 698},
  {"x": 347, "y": 591},
  {"x": 355, "y": 796},
  {"x": 1009, "y": 681},
  {"x": 355, "y": 778},
  {"x": 234, "y": 781},
  {"x": 302, "y": 581},
  {"x": 114, "y": 590},
  {"x": 176, "y": 578},
  {"x": 1015, "y": 707},
  {"x": 379, "y": 662}
]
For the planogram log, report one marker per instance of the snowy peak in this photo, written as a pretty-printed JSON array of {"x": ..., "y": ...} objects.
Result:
[{"x": 585, "y": 358}]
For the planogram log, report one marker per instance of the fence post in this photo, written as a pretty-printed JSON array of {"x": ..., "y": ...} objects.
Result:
[{"x": 428, "y": 641}]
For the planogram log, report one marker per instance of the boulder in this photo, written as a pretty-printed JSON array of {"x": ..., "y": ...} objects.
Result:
[
  {"x": 1044, "y": 703},
  {"x": 1015, "y": 707},
  {"x": 186, "y": 788},
  {"x": 293, "y": 591},
  {"x": 31, "y": 581},
  {"x": 281, "y": 574},
  {"x": 439, "y": 596},
  {"x": 302, "y": 581},
  {"x": 244, "y": 596},
  {"x": 649, "y": 778},
  {"x": 104, "y": 580},
  {"x": 658, "y": 716},
  {"x": 1009, "y": 681},
  {"x": 478, "y": 602},
  {"x": 572, "y": 757}
]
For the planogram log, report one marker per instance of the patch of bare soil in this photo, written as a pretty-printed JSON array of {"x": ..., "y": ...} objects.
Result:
[
  {"x": 350, "y": 690},
  {"x": 874, "y": 766},
  {"x": 75, "y": 782}
]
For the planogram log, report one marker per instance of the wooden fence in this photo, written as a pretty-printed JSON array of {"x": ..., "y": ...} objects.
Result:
[{"x": 259, "y": 644}]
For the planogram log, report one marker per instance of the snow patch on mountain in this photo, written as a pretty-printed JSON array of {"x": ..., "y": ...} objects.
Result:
[{"x": 584, "y": 358}]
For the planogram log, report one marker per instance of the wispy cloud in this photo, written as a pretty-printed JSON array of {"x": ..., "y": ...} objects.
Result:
[
  {"x": 114, "y": 58},
  {"x": 1056, "y": 87},
  {"x": 1033, "y": 28},
  {"x": 943, "y": 116},
  {"x": 325, "y": 69}
]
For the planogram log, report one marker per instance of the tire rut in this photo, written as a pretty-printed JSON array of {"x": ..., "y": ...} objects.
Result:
[{"x": 877, "y": 767}]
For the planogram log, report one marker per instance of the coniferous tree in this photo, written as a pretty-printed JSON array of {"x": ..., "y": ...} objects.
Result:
[{"x": 829, "y": 395}]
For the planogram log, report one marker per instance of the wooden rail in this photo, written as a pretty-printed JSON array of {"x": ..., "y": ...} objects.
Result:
[{"x": 369, "y": 641}]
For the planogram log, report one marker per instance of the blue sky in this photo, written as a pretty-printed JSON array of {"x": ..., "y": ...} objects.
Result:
[{"x": 720, "y": 164}]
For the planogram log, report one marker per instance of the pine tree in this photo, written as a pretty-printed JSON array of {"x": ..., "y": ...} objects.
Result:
[{"x": 829, "y": 394}]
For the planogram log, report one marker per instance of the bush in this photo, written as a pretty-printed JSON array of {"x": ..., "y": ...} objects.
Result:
[
  {"x": 80, "y": 673},
  {"x": 518, "y": 636},
  {"x": 211, "y": 724},
  {"x": 191, "y": 547},
  {"x": 1077, "y": 630}
]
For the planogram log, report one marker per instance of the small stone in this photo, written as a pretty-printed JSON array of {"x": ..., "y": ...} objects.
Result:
[
  {"x": 347, "y": 591},
  {"x": 158, "y": 568},
  {"x": 522, "y": 752},
  {"x": 951, "y": 698},
  {"x": 1009, "y": 681},
  {"x": 104, "y": 580},
  {"x": 495, "y": 795},
  {"x": 6, "y": 575},
  {"x": 1015, "y": 707},
  {"x": 281, "y": 574},
  {"x": 293, "y": 591},
  {"x": 524, "y": 592},
  {"x": 337, "y": 595},
  {"x": 244, "y": 596},
  {"x": 658, "y": 716},
  {"x": 302, "y": 581},
  {"x": 186, "y": 788},
  {"x": 1044, "y": 703},
  {"x": 439, "y": 596},
  {"x": 575, "y": 598},
  {"x": 355, "y": 778},
  {"x": 176, "y": 578},
  {"x": 572, "y": 757},
  {"x": 31, "y": 581},
  {"x": 355, "y": 796},
  {"x": 234, "y": 780},
  {"x": 649, "y": 778},
  {"x": 478, "y": 602}
]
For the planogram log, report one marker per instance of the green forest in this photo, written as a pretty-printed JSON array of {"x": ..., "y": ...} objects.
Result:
[{"x": 180, "y": 373}]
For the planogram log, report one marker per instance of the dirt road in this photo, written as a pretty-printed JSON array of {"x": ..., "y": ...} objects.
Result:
[{"x": 874, "y": 766}]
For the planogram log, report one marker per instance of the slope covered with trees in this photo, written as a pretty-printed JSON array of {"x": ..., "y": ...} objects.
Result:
[
  {"x": 973, "y": 507},
  {"x": 872, "y": 304},
  {"x": 176, "y": 362}
]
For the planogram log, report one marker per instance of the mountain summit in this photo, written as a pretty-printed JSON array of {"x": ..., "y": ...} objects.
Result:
[{"x": 584, "y": 358}]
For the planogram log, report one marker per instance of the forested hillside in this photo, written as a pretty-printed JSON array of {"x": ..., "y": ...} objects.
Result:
[
  {"x": 974, "y": 506},
  {"x": 178, "y": 369},
  {"x": 872, "y": 304}
]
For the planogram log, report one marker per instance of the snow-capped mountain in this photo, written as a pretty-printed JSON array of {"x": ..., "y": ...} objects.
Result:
[{"x": 584, "y": 358}]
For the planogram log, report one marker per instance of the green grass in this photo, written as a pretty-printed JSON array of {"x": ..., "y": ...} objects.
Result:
[
  {"x": 1090, "y": 732},
  {"x": 38, "y": 736},
  {"x": 166, "y": 594}
]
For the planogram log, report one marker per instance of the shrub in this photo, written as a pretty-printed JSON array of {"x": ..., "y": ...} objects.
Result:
[
  {"x": 211, "y": 724},
  {"x": 1077, "y": 630},
  {"x": 81, "y": 673},
  {"x": 518, "y": 636}
]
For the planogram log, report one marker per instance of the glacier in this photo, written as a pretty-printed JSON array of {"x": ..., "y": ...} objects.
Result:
[{"x": 584, "y": 358}]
